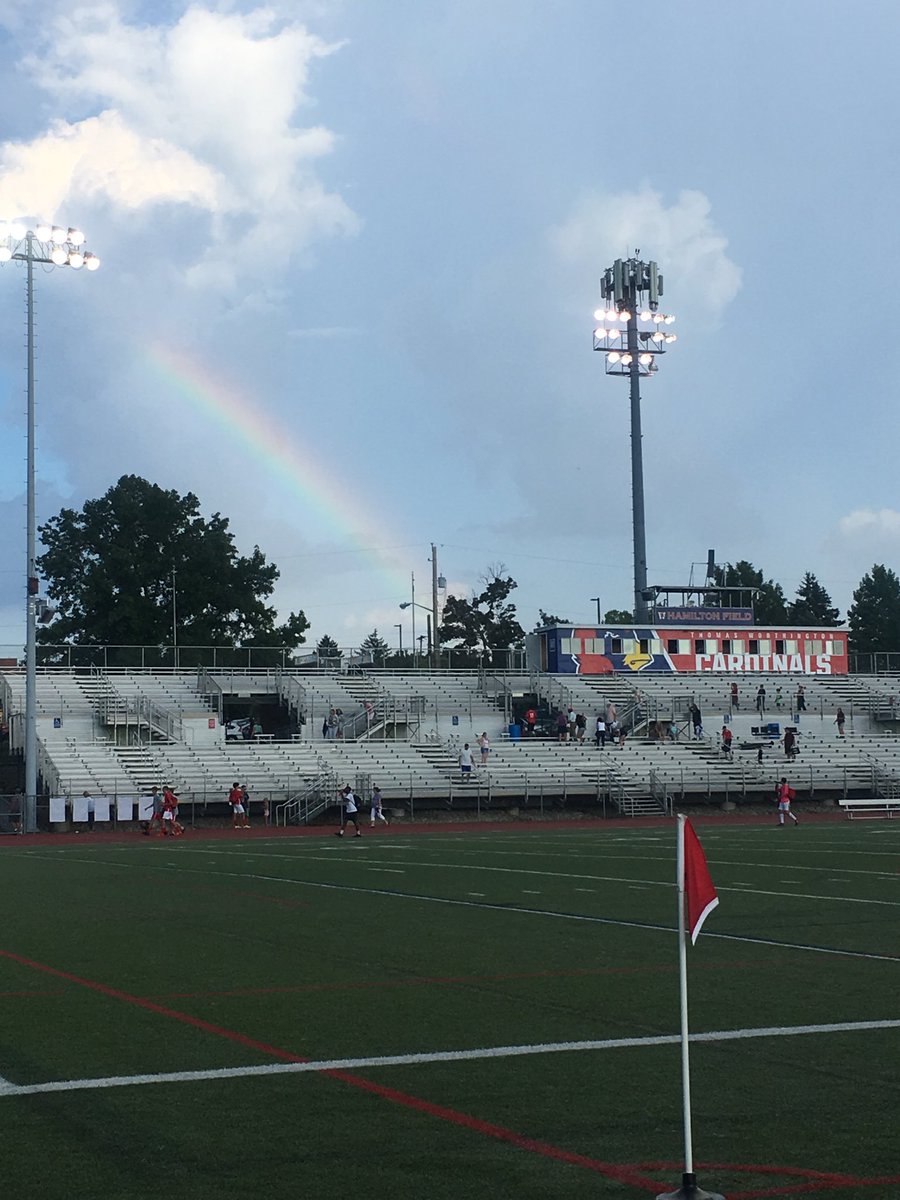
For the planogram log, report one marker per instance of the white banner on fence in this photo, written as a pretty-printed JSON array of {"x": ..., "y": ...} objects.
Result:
[{"x": 57, "y": 810}]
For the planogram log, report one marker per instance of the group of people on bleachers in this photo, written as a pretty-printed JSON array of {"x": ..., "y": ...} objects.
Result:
[
  {"x": 571, "y": 727},
  {"x": 734, "y": 698}
]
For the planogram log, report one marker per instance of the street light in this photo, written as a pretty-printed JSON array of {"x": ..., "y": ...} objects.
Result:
[
  {"x": 51, "y": 246},
  {"x": 413, "y": 604},
  {"x": 631, "y": 290}
]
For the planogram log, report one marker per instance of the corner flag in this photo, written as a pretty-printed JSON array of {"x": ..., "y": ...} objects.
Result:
[
  {"x": 696, "y": 900},
  {"x": 699, "y": 891}
]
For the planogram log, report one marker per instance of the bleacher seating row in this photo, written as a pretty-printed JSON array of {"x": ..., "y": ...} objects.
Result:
[{"x": 95, "y": 734}]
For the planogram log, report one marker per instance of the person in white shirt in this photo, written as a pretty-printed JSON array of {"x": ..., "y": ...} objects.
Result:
[
  {"x": 465, "y": 762},
  {"x": 351, "y": 811}
]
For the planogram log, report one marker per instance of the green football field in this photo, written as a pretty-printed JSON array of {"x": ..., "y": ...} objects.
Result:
[{"x": 472, "y": 1013}]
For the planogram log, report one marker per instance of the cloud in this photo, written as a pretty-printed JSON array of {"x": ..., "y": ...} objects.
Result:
[
  {"x": 202, "y": 113},
  {"x": 864, "y": 522},
  {"x": 681, "y": 237}
]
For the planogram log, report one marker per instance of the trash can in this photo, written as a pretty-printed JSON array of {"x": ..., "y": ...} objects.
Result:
[{"x": 515, "y": 732}]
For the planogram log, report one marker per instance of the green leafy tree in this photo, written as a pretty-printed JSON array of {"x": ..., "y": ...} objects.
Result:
[
  {"x": 813, "y": 605},
  {"x": 618, "y": 616},
  {"x": 547, "y": 619},
  {"x": 874, "y": 615},
  {"x": 769, "y": 605},
  {"x": 488, "y": 621},
  {"x": 123, "y": 567},
  {"x": 376, "y": 646}
]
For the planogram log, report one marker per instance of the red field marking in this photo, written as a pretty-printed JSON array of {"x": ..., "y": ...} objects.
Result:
[
  {"x": 628, "y": 1174},
  {"x": 452, "y": 980},
  {"x": 28, "y": 995},
  {"x": 150, "y": 1006},
  {"x": 814, "y": 1181}
]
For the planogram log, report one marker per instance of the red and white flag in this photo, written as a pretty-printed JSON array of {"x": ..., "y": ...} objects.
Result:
[{"x": 699, "y": 890}]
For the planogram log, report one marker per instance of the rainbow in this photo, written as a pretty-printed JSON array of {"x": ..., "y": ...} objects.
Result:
[{"x": 284, "y": 459}]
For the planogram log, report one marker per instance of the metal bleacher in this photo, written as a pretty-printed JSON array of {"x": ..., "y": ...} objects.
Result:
[{"x": 119, "y": 733}]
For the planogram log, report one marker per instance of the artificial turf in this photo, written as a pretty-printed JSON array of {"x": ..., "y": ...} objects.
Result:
[{"x": 136, "y": 958}]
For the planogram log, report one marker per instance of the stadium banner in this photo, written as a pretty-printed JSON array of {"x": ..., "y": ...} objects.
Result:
[{"x": 703, "y": 616}]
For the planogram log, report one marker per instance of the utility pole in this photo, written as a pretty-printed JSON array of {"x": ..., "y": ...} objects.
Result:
[{"x": 436, "y": 640}]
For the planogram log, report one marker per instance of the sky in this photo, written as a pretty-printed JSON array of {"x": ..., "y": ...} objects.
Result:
[{"x": 350, "y": 255}]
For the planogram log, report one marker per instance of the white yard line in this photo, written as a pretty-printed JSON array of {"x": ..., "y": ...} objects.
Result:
[
  {"x": 439, "y": 1056},
  {"x": 522, "y": 910},
  {"x": 664, "y": 883}
]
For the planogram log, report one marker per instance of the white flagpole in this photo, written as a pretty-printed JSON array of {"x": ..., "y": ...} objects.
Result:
[{"x": 682, "y": 978}]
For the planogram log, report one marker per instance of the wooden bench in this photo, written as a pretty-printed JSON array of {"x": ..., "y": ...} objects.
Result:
[{"x": 870, "y": 808}]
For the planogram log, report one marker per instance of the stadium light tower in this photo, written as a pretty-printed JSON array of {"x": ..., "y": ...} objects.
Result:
[
  {"x": 632, "y": 333},
  {"x": 49, "y": 246}
]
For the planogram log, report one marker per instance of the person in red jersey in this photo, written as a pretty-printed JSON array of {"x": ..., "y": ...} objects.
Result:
[{"x": 238, "y": 812}]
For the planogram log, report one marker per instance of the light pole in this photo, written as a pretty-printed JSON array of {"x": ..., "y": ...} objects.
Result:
[
  {"x": 596, "y": 600},
  {"x": 51, "y": 246},
  {"x": 630, "y": 334},
  {"x": 414, "y": 605}
]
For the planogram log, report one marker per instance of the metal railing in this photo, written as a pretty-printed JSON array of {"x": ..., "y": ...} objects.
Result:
[{"x": 310, "y": 802}]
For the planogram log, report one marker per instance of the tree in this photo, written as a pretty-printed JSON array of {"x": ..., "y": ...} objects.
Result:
[
  {"x": 545, "y": 619},
  {"x": 488, "y": 620},
  {"x": 127, "y": 565},
  {"x": 327, "y": 648},
  {"x": 769, "y": 605},
  {"x": 874, "y": 615},
  {"x": 618, "y": 616},
  {"x": 376, "y": 646},
  {"x": 813, "y": 605}
]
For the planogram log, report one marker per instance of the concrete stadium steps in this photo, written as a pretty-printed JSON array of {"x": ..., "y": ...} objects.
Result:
[{"x": 77, "y": 757}]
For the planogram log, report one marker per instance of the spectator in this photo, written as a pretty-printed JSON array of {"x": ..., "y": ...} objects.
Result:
[
  {"x": 801, "y": 699},
  {"x": 839, "y": 721},
  {"x": 571, "y": 722},
  {"x": 530, "y": 721},
  {"x": 790, "y": 744},
  {"x": 600, "y": 733},
  {"x": 484, "y": 745},
  {"x": 727, "y": 737},
  {"x": 562, "y": 726},
  {"x": 761, "y": 698},
  {"x": 778, "y": 697},
  {"x": 673, "y": 731},
  {"x": 735, "y": 702},
  {"x": 696, "y": 720},
  {"x": 580, "y": 727},
  {"x": 465, "y": 762}
]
